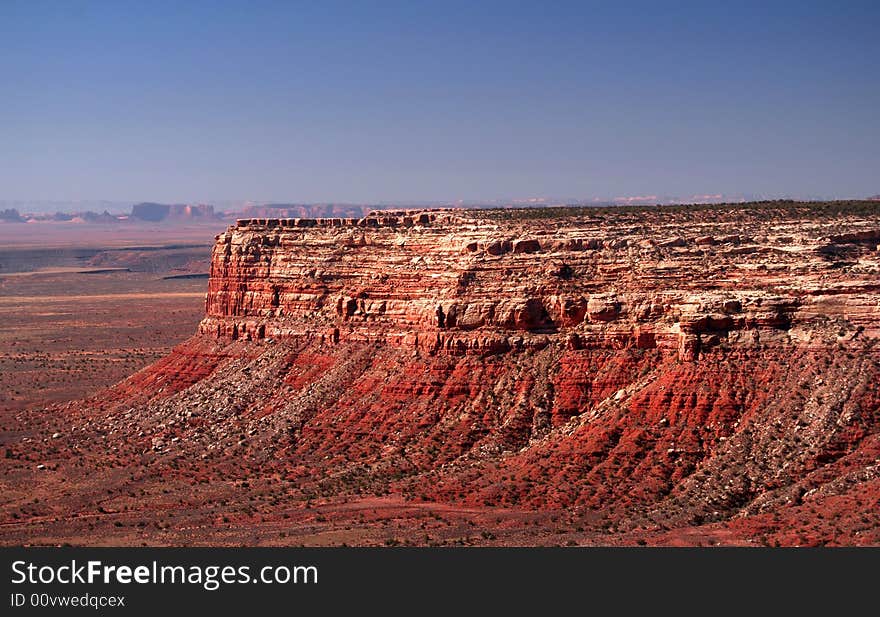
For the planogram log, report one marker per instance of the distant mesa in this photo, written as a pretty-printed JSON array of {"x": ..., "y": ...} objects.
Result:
[
  {"x": 11, "y": 215},
  {"x": 92, "y": 217},
  {"x": 154, "y": 212},
  {"x": 874, "y": 198}
]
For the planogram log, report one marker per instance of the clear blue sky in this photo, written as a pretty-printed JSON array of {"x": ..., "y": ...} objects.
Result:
[{"x": 185, "y": 101}]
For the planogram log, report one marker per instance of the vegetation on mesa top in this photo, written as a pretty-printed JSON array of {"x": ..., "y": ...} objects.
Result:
[{"x": 752, "y": 209}]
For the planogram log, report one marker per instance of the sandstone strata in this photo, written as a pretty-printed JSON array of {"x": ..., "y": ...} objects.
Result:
[
  {"x": 663, "y": 375},
  {"x": 459, "y": 282}
]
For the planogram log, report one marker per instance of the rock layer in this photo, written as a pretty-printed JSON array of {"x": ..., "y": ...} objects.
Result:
[
  {"x": 669, "y": 375},
  {"x": 465, "y": 283}
]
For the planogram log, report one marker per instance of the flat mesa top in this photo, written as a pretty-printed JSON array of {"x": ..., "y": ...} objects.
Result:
[
  {"x": 379, "y": 218},
  {"x": 761, "y": 210}
]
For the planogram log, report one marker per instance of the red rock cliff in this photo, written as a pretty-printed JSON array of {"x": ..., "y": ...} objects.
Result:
[
  {"x": 466, "y": 283},
  {"x": 669, "y": 375}
]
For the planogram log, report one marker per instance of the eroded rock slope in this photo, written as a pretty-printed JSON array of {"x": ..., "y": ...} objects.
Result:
[{"x": 662, "y": 374}]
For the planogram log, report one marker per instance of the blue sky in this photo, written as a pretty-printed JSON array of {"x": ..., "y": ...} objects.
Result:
[{"x": 203, "y": 101}]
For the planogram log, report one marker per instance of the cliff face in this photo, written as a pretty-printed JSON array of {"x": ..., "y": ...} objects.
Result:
[
  {"x": 670, "y": 375},
  {"x": 449, "y": 282}
]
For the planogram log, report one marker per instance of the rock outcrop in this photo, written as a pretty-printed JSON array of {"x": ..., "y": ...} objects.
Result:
[
  {"x": 459, "y": 282},
  {"x": 669, "y": 375}
]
